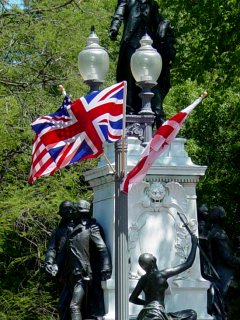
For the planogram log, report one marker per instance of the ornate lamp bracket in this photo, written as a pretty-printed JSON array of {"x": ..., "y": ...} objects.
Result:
[{"x": 140, "y": 126}]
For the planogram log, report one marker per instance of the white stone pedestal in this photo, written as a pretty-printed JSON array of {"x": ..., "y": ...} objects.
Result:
[{"x": 154, "y": 223}]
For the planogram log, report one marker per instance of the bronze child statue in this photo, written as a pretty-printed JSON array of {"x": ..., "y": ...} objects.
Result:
[{"x": 154, "y": 284}]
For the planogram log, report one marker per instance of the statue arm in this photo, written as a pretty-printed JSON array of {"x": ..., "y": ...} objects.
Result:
[
  {"x": 117, "y": 19},
  {"x": 156, "y": 16},
  {"x": 51, "y": 249},
  {"x": 136, "y": 292},
  {"x": 105, "y": 259},
  {"x": 56, "y": 251},
  {"x": 165, "y": 38},
  {"x": 187, "y": 264},
  {"x": 50, "y": 256}
]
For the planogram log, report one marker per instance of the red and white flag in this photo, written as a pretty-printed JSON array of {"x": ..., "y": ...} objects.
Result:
[{"x": 160, "y": 141}]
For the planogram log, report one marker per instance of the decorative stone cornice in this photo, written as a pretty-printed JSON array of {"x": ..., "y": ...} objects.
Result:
[
  {"x": 99, "y": 176},
  {"x": 173, "y": 165},
  {"x": 181, "y": 174}
]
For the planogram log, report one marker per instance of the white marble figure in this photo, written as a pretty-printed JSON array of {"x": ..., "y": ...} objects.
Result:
[{"x": 157, "y": 228}]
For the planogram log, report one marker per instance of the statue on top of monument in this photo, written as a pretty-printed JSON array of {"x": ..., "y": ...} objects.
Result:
[
  {"x": 141, "y": 17},
  {"x": 154, "y": 284}
]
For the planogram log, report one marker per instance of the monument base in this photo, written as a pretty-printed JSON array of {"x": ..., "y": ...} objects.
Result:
[{"x": 153, "y": 206}]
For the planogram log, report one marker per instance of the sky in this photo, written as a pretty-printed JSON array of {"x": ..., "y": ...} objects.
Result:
[{"x": 18, "y": 2}]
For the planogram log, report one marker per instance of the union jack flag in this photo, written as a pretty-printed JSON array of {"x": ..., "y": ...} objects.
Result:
[{"x": 77, "y": 130}]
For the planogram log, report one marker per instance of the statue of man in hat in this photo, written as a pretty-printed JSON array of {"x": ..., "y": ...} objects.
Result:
[{"x": 140, "y": 17}]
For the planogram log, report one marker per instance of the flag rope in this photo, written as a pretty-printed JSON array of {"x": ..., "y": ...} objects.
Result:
[{"x": 108, "y": 161}]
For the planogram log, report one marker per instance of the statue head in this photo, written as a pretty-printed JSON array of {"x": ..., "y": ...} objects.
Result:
[
  {"x": 157, "y": 191},
  {"x": 203, "y": 209},
  {"x": 83, "y": 209},
  {"x": 147, "y": 261},
  {"x": 217, "y": 214},
  {"x": 66, "y": 209},
  {"x": 203, "y": 212}
]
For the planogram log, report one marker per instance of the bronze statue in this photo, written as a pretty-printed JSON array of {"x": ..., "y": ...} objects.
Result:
[
  {"x": 204, "y": 227},
  {"x": 84, "y": 262},
  {"x": 56, "y": 255},
  {"x": 141, "y": 17},
  {"x": 215, "y": 302},
  {"x": 223, "y": 259},
  {"x": 218, "y": 248},
  {"x": 154, "y": 284}
]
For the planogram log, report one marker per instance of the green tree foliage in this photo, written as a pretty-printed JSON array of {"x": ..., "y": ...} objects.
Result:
[
  {"x": 39, "y": 45},
  {"x": 208, "y": 45}
]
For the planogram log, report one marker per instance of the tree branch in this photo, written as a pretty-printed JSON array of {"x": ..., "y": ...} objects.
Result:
[
  {"x": 24, "y": 85},
  {"x": 31, "y": 11}
]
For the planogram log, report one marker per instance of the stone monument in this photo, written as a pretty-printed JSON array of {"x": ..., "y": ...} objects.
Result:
[
  {"x": 154, "y": 224},
  {"x": 158, "y": 206}
]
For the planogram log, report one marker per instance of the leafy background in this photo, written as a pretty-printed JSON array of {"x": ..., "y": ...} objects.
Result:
[{"x": 39, "y": 45}]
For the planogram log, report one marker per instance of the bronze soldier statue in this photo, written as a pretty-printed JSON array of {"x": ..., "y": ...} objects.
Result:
[
  {"x": 84, "y": 261},
  {"x": 56, "y": 255},
  {"x": 141, "y": 17},
  {"x": 87, "y": 250}
]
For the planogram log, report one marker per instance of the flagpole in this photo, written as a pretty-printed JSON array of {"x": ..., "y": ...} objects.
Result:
[
  {"x": 121, "y": 226},
  {"x": 121, "y": 238},
  {"x": 124, "y": 128}
]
